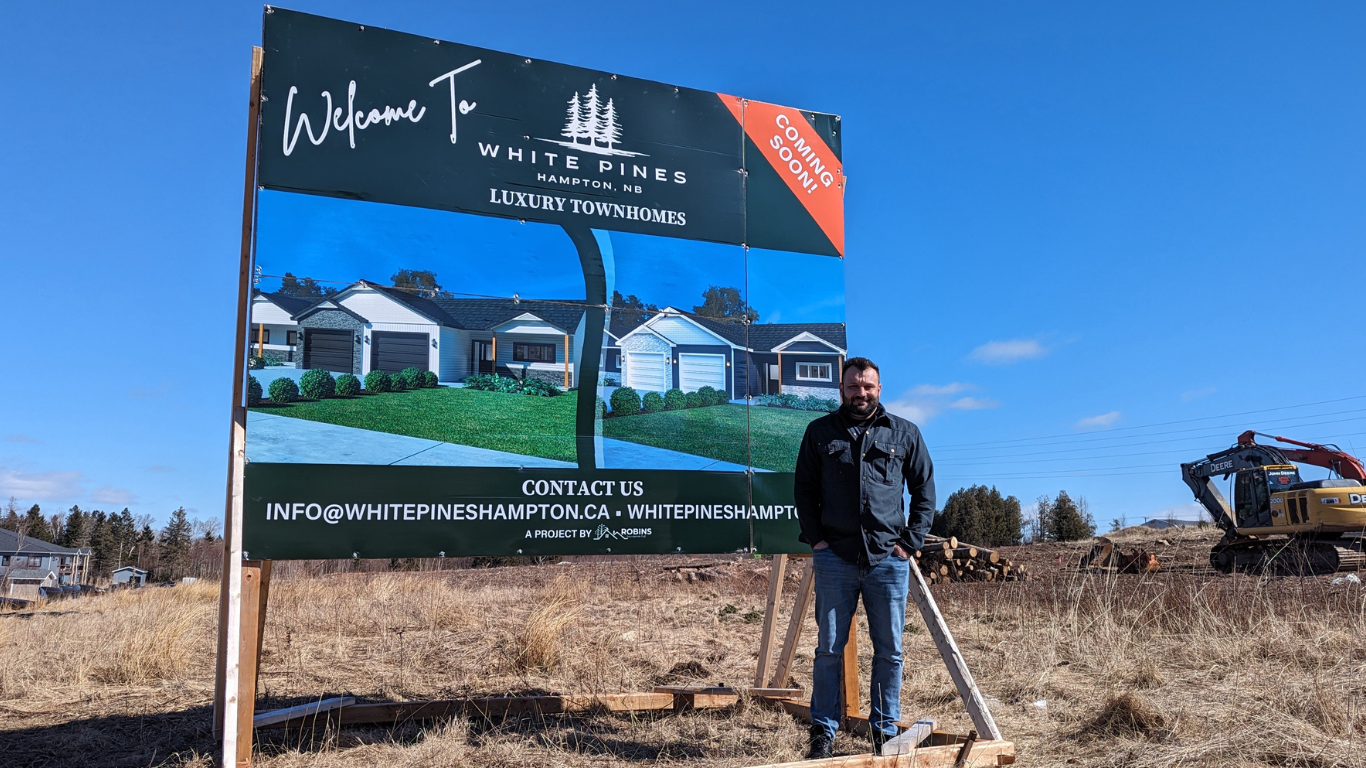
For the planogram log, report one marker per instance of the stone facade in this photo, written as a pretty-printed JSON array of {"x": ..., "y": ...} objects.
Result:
[
  {"x": 334, "y": 319},
  {"x": 823, "y": 393}
]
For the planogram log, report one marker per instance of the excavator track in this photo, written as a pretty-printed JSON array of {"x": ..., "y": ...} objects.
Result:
[{"x": 1288, "y": 557}]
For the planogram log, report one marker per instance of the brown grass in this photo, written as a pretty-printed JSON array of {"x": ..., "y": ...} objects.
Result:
[{"x": 1164, "y": 670}]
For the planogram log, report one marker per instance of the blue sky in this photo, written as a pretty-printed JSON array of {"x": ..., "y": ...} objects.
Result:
[{"x": 1066, "y": 222}]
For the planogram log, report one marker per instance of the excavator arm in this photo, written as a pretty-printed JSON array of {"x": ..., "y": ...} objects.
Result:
[
  {"x": 1328, "y": 456},
  {"x": 1199, "y": 476}
]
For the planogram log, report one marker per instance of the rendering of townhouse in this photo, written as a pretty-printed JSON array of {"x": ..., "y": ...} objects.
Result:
[{"x": 692, "y": 377}]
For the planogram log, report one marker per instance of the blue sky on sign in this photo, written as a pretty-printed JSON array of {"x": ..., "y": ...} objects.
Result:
[{"x": 1086, "y": 241}]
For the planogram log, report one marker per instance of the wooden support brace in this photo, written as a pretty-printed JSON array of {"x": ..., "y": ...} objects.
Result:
[
  {"x": 775, "y": 593},
  {"x": 788, "y": 653},
  {"x": 953, "y": 659},
  {"x": 249, "y": 661}
]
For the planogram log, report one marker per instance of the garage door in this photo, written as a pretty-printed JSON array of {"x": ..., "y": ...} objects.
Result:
[
  {"x": 328, "y": 350},
  {"x": 391, "y": 351},
  {"x": 645, "y": 371},
  {"x": 698, "y": 371}
]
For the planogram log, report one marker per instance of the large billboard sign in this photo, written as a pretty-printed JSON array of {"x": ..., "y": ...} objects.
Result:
[{"x": 508, "y": 306}]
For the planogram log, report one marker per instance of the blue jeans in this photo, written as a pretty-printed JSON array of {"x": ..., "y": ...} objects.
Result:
[{"x": 838, "y": 586}]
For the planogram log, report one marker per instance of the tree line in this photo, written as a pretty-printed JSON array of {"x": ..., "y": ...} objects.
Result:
[
  {"x": 183, "y": 547},
  {"x": 981, "y": 515}
]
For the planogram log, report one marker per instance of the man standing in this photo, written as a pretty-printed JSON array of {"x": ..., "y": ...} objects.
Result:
[{"x": 850, "y": 473}]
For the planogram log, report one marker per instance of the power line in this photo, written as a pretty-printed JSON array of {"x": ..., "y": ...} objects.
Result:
[{"x": 1157, "y": 424}]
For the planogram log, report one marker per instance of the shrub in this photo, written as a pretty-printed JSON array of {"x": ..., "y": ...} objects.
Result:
[
  {"x": 653, "y": 402},
  {"x": 347, "y": 385},
  {"x": 253, "y": 392},
  {"x": 712, "y": 396},
  {"x": 429, "y": 379},
  {"x": 283, "y": 390},
  {"x": 256, "y": 363},
  {"x": 675, "y": 400},
  {"x": 625, "y": 402},
  {"x": 317, "y": 384},
  {"x": 378, "y": 381},
  {"x": 697, "y": 399},
  {"x": 412, "y": 378},
  {"x": 797, "y": 403},
  {"x": 492, "y": 382},
  {"x": 602, "y": 408},
  {"x": 397, "y": 383},
  {"x": 538, "y": 387}
]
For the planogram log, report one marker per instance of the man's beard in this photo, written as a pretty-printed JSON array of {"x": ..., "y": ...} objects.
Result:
[{"x": 860, "y": 407}]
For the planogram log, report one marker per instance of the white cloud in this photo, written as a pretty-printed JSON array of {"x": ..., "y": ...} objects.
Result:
[
  {"x": 935, "y": 390},
  {"x": 924, "y": 402},
  {"x": 974, "y": 403},
  {"x": 106, "y": 494},
  {"x": 39, "y": 486},
  {"x": 22, "y": 439},
  {"x": 1099, "y": 420},
  {"x": 1195, "y": 394},
  {"x": 1008, "y": 352}
]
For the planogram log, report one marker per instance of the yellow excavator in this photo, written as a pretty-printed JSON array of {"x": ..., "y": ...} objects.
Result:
[{"x": 1279, "y": 523}]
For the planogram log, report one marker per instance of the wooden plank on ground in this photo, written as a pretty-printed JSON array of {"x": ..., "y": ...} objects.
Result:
[
  {"x": 805, "y": 590},
  {"x": 909, "y": 739},
  {"x": 984, "y": 754},
  {"x": 775, "y": 593},
  {"x": 500, "y": 706},
  {"x": 776, "y": 693},
  {"x": 266, "y": 719},
  {"x": 953, "y": 658}
]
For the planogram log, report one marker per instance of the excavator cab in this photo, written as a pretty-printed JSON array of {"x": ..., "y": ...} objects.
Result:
[{"x": 1253, "y": 491}]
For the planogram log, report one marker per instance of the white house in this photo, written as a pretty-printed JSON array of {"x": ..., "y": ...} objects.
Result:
[
  {"x": 373, "y": 327},
  {"x": 274, "y": 332}
]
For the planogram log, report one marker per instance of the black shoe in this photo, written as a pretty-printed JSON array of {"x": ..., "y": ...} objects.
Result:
[
  {"x": 820, "y": 745},
  {"x": 879, "y": 738}
]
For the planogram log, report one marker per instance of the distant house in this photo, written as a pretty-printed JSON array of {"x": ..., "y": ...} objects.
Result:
[
  {"x": 129, "y": 575},
  {"x": 69, "y": 566},
  {"x": 1166, "y": 523},
  {"x": 274, "y": 333},
  {"x": 27, "y": 583}
]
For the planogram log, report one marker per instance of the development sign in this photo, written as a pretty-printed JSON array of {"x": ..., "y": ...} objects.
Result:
[{"x": 508, "y": 306}]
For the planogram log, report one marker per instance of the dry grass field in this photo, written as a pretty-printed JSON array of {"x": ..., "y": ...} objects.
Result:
[{"x": 1181, "y": 668}]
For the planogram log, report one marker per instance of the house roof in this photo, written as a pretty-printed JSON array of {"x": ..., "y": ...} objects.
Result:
[
  {"x": 128, "y": 568},
  {"x": 486, "y": 314},
  {"x": 326, "y": 304},
  {"x": 9, "y": 542},
  {"x": 30, "y": 573},
  {"x": 763, "y": 337},
  {"x": 290, "y": 304}
]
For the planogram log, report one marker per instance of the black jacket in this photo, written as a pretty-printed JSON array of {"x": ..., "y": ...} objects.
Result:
[{"x": 848, "y": 487}]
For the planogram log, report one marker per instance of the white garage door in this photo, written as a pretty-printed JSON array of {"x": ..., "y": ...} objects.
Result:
[
  {"x": 645, "y": 371},
  {"x": 698, "y": 371}
]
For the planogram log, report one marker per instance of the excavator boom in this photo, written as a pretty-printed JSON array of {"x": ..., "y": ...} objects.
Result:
[{"x": 1327, "y": 456}]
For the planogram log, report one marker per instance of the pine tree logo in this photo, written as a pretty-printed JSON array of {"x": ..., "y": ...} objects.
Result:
[{"x": 591, "y": 126}]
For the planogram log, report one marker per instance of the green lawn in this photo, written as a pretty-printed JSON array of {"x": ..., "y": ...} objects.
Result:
[
  {"x": 531, "y": 426},
  {"x": 718, "y": 432}
]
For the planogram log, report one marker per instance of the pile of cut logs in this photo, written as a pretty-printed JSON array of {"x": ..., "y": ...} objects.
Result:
[{"x": 943, "y": 560}]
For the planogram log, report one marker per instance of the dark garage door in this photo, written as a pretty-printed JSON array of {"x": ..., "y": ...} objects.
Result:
[
  {"x": 329, "y": 350},
  {"x": 391, "y": 351}
]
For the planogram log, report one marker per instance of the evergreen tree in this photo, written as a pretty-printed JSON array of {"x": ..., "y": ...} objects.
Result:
[
  {"x": 1062, "y": 519},
  {"x": 174, "y": 546},
  {"x": 102, "y": 544},
  {"x": 11, "y": 521},
  {"x": 980, "y": 515},
  {"x": 611, "y": 129},
  {"x": 630, "y": 309},
  {"x": 126, "y": 539},
  {"x": 36, "y": 526},
  {"x": 593, "y": 126},
  {"x": 77, "y": 533},
  {"x": 573, "y": 125}
]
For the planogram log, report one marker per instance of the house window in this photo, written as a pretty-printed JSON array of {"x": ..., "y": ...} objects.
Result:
[
  {"x": 533, "y": 353},
  {"x": 292, "y": 338},
  {"x": 813, "y": 371},
  {"x": 260, "y": 336}
]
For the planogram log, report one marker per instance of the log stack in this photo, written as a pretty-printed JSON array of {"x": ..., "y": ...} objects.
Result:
[{"x": 945, "y": 560}]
